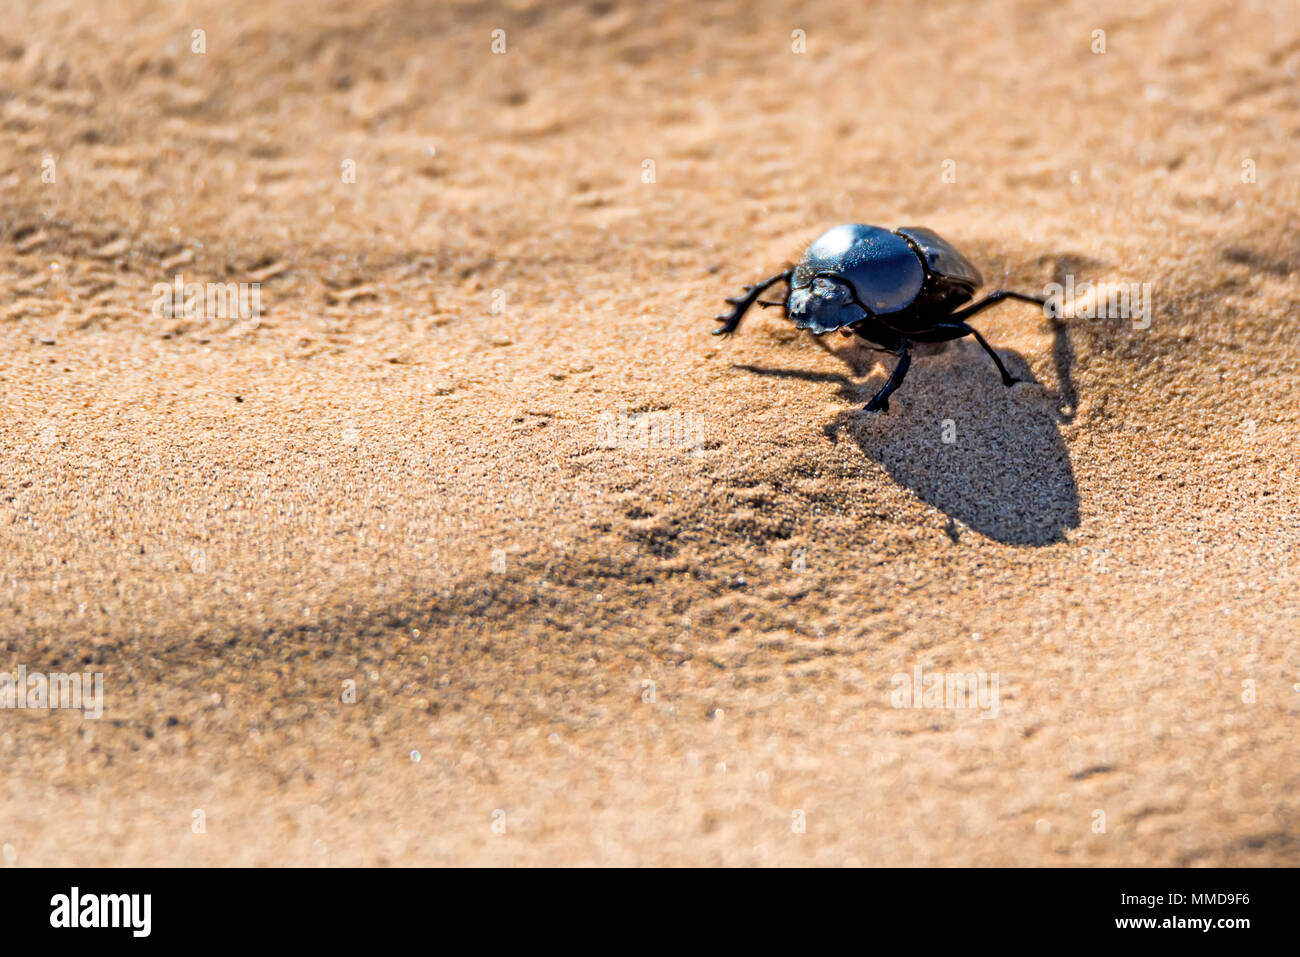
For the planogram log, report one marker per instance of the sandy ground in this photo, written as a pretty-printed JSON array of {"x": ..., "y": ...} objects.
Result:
[{"x": 371, "y": 579}]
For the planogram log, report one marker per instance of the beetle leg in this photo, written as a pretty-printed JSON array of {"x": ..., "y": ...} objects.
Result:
[
  {"x": 957, "y": 323},
  {"x": 1007, "y": 378},
  {"x": 731, "y": 320},
  {"x": 992, "y": 299},
  {"x": 880, "y": 401}
]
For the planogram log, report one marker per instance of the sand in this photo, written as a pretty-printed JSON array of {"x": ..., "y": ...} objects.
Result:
[{"x": 476, "y": 548}]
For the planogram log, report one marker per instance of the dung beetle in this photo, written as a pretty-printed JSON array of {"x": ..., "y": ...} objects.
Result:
[{"x": 891, "y": 289}]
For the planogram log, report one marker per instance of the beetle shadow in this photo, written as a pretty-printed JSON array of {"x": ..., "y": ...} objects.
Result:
[
  {"x": 1062, "y": 348},
  {"x": 992, "y": 459}
]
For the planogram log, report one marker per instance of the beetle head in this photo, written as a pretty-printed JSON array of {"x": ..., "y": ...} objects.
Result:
[{"x": 824, "y": 305}]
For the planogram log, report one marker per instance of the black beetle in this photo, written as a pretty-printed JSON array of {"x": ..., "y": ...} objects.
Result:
[{"x": 892, "y": 289}]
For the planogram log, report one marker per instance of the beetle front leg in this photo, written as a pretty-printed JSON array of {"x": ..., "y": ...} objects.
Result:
[
  {"x": 731, "y": 320},
  {"x": 880, "y": 401}
]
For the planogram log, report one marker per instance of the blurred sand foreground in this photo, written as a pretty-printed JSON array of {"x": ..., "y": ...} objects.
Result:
[{"x": 476, "y": 548}]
